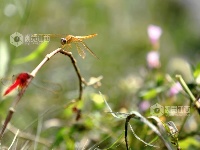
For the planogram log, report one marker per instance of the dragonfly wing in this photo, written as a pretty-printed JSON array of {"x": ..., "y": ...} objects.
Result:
[
  {"x": 5, "y": 81},
  {"x": 47, "y": 87},
  {"x": 87, "y": 48},
  {"x": 80, "y": 51}
]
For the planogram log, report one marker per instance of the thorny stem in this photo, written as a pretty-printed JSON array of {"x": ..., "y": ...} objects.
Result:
[
  {"x": 32, "y": 75},
  {"x": 187, "y": 90}
]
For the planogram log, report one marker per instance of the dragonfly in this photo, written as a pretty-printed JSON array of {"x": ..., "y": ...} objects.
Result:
[
  {"x": 77, "y": 40},
  {"x": 20, "y": 82}
]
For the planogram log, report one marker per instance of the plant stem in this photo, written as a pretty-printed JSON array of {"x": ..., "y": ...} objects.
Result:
[{"x": 187, "y": 90}]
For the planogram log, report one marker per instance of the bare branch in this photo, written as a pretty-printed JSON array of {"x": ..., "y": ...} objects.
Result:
[
  {"x": 81, "y": 80},
  {"x": 32, "y": 76},
  {"x": 20, "y": 94}
]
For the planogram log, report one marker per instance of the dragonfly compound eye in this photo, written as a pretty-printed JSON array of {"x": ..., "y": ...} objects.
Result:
[{"x": 63, "y": 41}]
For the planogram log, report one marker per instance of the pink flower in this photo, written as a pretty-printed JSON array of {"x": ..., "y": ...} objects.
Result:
[
  {"x": 153, "y": 59},
  {"x": 154, "y": 33},
  {"x": 175, "y": 89},
  {"x": 144, "y": 105}
]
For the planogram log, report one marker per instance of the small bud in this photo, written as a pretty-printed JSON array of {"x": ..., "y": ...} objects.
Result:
[
  {"x": 153, "y": 59},
  {"x": 175, "y": 89}
]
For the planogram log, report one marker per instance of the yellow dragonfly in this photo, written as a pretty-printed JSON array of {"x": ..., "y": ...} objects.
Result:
[{"x": 78, "y": 40}]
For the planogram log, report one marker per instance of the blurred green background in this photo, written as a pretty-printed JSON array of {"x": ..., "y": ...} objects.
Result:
[{"x": 122, "y": 44}]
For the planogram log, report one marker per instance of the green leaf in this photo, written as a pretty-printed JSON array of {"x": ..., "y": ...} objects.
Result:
[
  {"x": 196, "y": 72},
  {"x": 32, "y": 55},
  {"x": 59, "y": 137},
  {"x": 152, "y": 93},
  {"x": 148, "y": 94},
  {"x": 186, "y": 143},
  {"x": 4, "y": 57}
]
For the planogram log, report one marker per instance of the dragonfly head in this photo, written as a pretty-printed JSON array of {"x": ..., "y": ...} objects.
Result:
[{"x": 63, "y": 41}]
